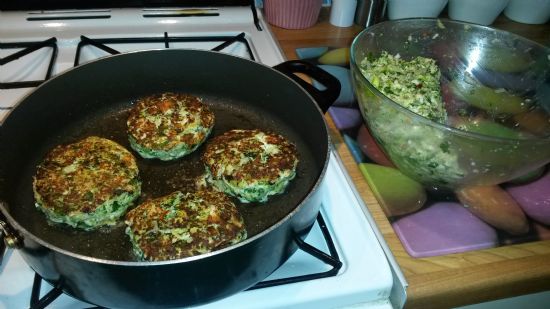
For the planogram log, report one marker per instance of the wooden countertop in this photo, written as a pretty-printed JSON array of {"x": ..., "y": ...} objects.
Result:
[{"x": 451, "y": 280}]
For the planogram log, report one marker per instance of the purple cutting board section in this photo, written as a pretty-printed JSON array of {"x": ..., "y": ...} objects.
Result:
[
  {"x": 345, "y": 118},
  {"x": 443, "y": 228},
  {"x": 534, "y": 198}
]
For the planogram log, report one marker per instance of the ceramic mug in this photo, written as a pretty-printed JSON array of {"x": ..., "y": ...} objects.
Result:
[
  {"x": 292, "y": 14},
  {"x": 528, "y": 11},
  {"x": 398, "y": 9},
  {"x": 483, "y": 12}
]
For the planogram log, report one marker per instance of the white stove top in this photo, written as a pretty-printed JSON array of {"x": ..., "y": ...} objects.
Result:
[{"x": 368, "y": 275}]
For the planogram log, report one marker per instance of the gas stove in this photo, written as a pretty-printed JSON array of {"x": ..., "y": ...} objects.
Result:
[{"x": 344, "y": 261}]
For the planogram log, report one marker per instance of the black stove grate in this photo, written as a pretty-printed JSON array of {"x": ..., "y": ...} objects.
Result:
[
  {"x": 106, "y": 43},
  {"x": 332, "y": 259},
  {"x": 28, "y": 47}
]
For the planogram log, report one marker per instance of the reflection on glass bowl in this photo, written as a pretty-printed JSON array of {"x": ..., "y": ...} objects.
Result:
[{"x": 496, "y": 91}]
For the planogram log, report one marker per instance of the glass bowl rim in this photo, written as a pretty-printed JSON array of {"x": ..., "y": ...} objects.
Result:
[{"x": 421, "y": 118}]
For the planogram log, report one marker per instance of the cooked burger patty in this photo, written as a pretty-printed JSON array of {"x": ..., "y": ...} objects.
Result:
[
  {"x": 87, "y": 184},
  {"x": 168, "y": 126},
  {"x": 250, "y": 164},
  {"x": 184, "y": 224}
]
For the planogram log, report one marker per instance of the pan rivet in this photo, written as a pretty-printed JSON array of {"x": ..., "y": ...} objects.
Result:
[
  {"x": 12, "y": 242},
  {"x": 10, "y": 239}
]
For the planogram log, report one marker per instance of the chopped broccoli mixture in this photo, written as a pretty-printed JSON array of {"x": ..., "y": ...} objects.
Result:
[
  {"x": 413, "y": 84},
  {"x": 416, "y": 148}
]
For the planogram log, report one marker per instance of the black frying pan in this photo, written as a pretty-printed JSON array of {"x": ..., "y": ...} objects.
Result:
[{"x": 94, "y": 99}]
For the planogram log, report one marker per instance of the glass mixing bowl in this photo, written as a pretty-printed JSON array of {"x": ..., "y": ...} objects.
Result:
[{"x": 496, "y": 91}]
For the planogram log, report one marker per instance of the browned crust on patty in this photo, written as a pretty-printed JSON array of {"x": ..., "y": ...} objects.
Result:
[
  {"x": 184, "y": 224},
  {"x": 226, "y": 149},
  {"x": 81, "y": 176},
  {"x": 165, "y": 121}
]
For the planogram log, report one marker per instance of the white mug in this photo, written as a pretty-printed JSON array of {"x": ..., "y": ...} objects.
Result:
[
  {"x": 528, "y": 11},
  {"x": 342, "y": 12},
  {"x": 483, "y": 12},
  {"x": 398, "y": 9}
]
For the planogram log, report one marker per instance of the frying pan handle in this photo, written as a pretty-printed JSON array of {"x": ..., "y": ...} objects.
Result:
[{"x": 325, "y": 97}]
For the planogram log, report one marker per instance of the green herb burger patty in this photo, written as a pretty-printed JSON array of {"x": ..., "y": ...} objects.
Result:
[
  {"x": 87, "y": 184},
  {"x": 169, "y": 126},
  {"x": 184, "y": 224},
  {"x": 250, "y": 164}
]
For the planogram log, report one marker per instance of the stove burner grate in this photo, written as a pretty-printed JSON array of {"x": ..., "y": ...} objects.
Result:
[
  {"x": 332, "y": 259},
  {"x": 28, "y": 47},
  {"x": 102, "y": 43}
]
